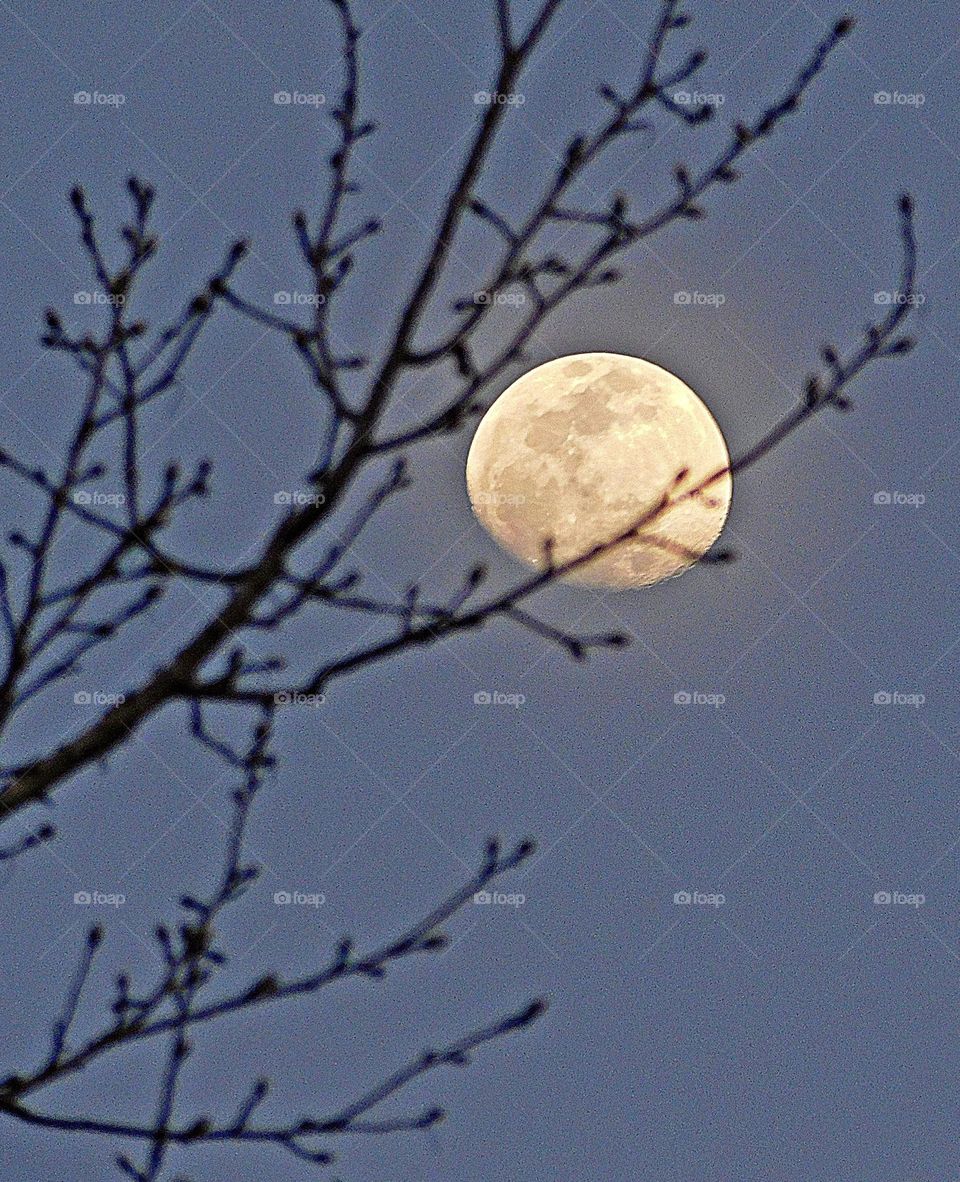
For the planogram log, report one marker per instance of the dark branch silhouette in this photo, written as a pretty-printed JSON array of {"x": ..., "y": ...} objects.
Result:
[
  {"x": 179, "y": 1000},
  {"x": 51, "y": 623}
]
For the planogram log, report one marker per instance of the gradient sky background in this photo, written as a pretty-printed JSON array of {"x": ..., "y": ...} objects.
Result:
[{"x": 799, "y": 1032}]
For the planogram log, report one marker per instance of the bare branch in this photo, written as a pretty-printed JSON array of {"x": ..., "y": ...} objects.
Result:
[
  {"x": 172, "y": 1006},
  {"x": 54, "y": 616}
]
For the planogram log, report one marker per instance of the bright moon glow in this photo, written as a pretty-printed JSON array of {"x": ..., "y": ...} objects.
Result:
[{"x": 577, "y": 450}]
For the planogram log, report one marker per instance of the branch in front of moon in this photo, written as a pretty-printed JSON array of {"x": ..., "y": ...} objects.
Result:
[{"x": 568, "y": 470}]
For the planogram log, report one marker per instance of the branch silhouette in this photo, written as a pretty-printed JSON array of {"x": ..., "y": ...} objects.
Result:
[
  {"x": 178, "y": 1001},
  {"x": 51, "y": 622},
  {"x": 38, "y": 628}
]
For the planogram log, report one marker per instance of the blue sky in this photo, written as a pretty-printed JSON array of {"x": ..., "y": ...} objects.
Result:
[{"x": 798, "y": 1030}]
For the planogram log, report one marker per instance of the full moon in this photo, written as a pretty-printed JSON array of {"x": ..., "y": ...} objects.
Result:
[{"x": 577, "y": 451}]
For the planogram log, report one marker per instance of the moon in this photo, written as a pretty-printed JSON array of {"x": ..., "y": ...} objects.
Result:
[{"x": 577, "y": 451}]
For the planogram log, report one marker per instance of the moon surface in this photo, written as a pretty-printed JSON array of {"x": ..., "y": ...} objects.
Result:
[{"x": 579, "y": 449}]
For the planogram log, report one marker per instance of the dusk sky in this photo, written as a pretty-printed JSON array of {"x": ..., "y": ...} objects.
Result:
[{"x": 782, "y": 736}]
